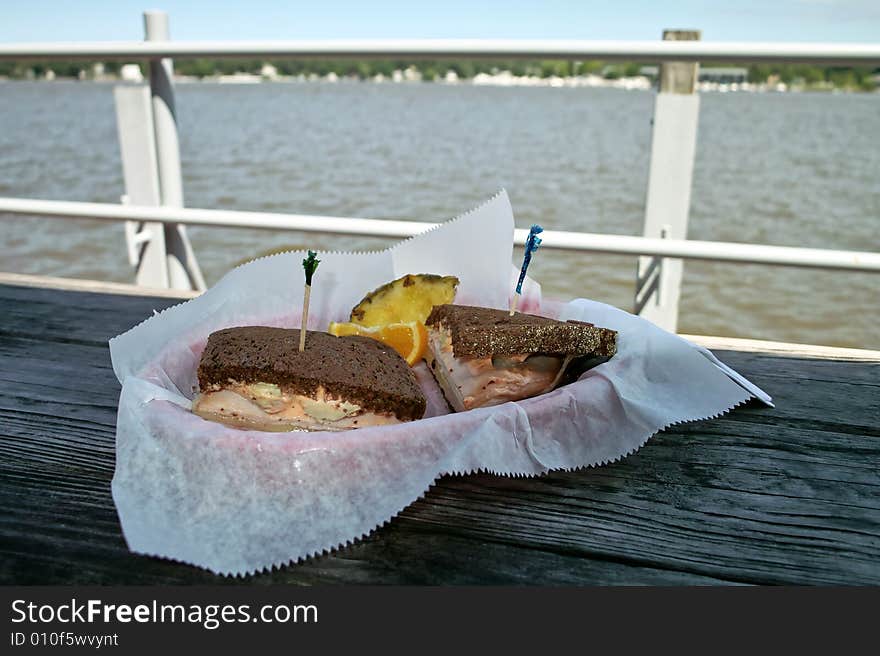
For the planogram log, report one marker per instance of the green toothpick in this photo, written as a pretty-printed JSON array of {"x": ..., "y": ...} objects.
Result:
[{"x": 310, "y": 265}]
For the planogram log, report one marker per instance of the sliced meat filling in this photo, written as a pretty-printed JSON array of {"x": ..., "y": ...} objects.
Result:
[
  {"x": 479, "y": 382},
  {"x": 265, "y": 406}
]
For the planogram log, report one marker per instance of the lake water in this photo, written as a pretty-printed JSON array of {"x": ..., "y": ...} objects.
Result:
[{"x": 787, "y": 169}]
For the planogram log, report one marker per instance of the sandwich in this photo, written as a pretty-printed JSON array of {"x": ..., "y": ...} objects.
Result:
[
  {"x": 483, "y": 357},
  {"x": 255, "y": 377}
]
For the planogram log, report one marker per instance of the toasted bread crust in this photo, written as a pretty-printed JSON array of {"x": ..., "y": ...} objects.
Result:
[
  {"x": 479, "y": 332},
  {"x": 358, "y": 369}
]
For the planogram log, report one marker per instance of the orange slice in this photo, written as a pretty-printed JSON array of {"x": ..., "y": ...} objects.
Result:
[{"x": 408, "y": 339}]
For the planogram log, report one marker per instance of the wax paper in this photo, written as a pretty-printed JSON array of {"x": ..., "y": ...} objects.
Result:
[{"x": 238, "y": 502}]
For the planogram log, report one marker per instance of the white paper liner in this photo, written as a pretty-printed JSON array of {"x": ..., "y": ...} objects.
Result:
[{"x": 238, "y": 502}]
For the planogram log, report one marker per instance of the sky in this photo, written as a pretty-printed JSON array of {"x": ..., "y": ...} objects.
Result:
[{"x": 730, "y": 20}]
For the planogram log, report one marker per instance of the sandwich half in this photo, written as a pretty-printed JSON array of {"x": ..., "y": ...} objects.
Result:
[
  {"x": 483, "y": 357},
  {"x": 256, "y": 377}
]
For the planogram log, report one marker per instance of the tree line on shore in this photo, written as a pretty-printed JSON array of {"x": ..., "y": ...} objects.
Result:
[{"x": 851, "y": 78}]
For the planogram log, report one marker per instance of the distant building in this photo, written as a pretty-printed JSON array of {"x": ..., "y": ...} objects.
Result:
[
  {"x": 722, "y": 75},
  {"x": 130, "y": 73},
  {"x": 269, "y": 72}
]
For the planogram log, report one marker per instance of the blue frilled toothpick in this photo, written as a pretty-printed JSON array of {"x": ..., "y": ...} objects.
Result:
[
  {"x": 532, "y": 243},
  {"x": 310, "y": 264}
]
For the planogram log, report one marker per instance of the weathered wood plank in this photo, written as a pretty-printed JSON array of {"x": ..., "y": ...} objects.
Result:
[
  {"x": 56, "y": 283},
  {"x": 759, "y": 496},
  {"x": 795, "y": 367},
  {"x": 80, "y": 526},
  {"x": 565, "y": 510},
  {"x": 836, "y": 395},
  {"x": 84, "y": 316},
  {"x": 784, "y": 349},
  {"x": 606, "y": 514},
  {"x": 672, "y": 517}
]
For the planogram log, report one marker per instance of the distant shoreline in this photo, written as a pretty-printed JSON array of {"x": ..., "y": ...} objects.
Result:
[
  {"x": 755, "y": 78},
  {"x": 501, "y": 79}
]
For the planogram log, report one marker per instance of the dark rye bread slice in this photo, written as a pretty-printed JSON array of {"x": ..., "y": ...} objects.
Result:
[
  {"x": 479, "y": 332},
  {"x": 358, "y": 369}
]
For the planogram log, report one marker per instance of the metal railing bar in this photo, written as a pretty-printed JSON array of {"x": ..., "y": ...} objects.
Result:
[
  {"x": 647, "y": 51},
  {"x": 553, "y": 239}
]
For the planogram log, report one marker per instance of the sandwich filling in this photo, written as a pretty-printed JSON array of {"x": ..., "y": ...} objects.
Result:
[
  {"x": 270, "y": 407},
  {"x": 479, "y": 382}
]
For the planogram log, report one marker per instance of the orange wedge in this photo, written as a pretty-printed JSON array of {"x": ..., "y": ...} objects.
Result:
[{"x": 408, "y": 339}]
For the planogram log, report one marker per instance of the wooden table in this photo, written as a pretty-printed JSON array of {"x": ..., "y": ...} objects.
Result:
[{"x": 790, "y": 495}]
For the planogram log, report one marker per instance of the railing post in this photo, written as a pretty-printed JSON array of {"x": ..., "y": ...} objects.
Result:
[
  {"x": 673, "y": 143},
  {"x": 137, "y": 145},
  {"x": 183, "y": 269}
]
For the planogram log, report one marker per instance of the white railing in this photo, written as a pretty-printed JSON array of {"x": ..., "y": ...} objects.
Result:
[
  {"x": 151, "y": 159},
  {"x": 817, "y": 258},
  {"x": 836, "y": 54}
]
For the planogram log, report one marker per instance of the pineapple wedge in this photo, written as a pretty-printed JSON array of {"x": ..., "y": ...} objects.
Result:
[{"x": 406, "y": 299}]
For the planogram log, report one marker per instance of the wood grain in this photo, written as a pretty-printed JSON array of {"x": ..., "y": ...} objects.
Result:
[{"x": 788, "y": 495}]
